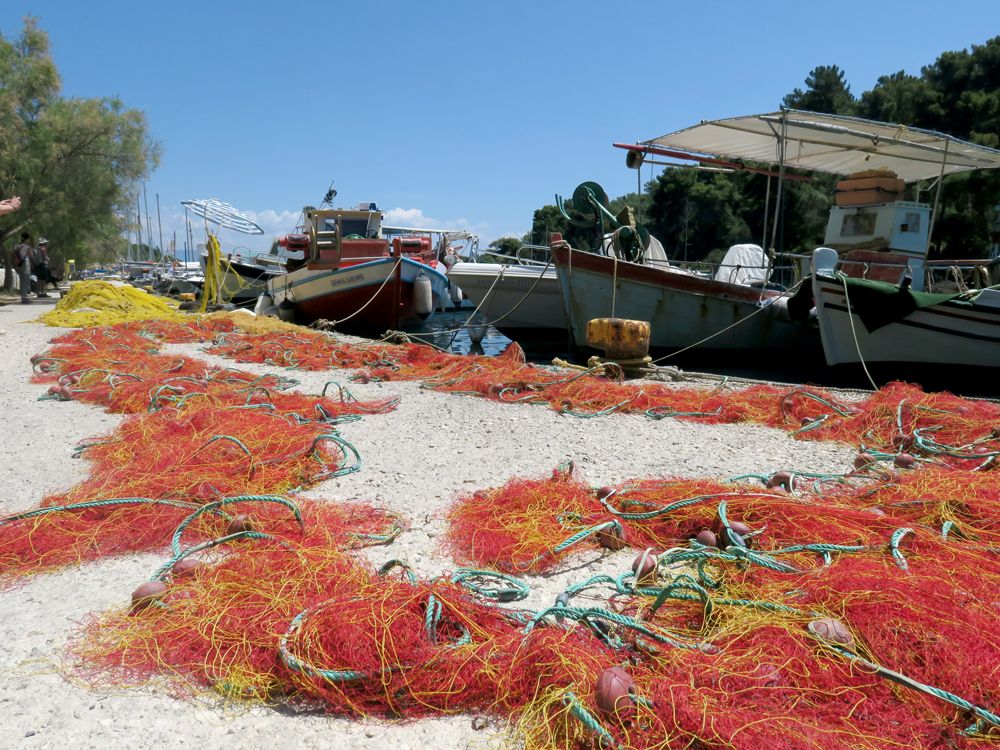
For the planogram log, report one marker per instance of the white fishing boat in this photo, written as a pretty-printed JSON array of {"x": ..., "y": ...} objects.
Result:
[
  {"x": 520, "y": 299},
  {"x": 863, "y": 319}
]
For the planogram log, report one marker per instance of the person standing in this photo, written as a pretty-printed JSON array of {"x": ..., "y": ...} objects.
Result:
[
  {"x": 23, "y": 254},
  {"x": 41, "y": 268}
]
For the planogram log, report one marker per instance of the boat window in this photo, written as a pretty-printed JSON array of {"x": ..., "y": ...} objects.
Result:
[
  {"x": 858, "y": 224},
  {"x": 912, "y": 223},
  {"x": 349, "y": 227}
]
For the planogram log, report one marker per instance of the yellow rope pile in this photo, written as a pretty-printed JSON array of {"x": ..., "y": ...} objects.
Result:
[{"x": 100, "y": 303}]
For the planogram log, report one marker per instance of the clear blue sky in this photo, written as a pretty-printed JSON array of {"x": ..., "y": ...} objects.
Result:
[{"x": 466, "y": 114}]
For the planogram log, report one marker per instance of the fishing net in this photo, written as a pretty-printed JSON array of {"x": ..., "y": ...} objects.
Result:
[
  {"x": 100, "y": 303},
  {"x": 786, "y": 610}
]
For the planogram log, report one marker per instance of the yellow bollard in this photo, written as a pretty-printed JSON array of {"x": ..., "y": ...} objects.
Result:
[{"x": 619, "y": 338}]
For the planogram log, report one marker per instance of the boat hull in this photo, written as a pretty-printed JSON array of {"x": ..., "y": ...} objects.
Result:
[
  {"x": 952, "y": 333},
  {"x": 367, "y": 298},
  {"x": 683, "y": 309},
  {"x": 520, "y": 301}
]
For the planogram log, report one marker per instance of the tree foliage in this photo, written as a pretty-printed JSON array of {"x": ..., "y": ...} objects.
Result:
[{"x": 74, "y": 162}]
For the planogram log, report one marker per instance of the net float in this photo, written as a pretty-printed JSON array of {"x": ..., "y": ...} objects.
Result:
[
  {"x": 832, "y": 630},
  {"x": 904, "y": 461},
  {"x": 239, "y": 524},
  {"x": 612, "y": 537},
  {"x": 737, "y": 527},
  {"x": 605, "y": 492},
  {"x": 902, "y": 442},
  {"x": 784, "y": 480},
  {"x": 644, "y": 566},
  {"x": 148, "y": 593},
  {"x": 707, "y": 537},
  {"x": 615, "y": 693},
  {"x": 186, "y": 568},
  {"x": 864, "y": 461}
]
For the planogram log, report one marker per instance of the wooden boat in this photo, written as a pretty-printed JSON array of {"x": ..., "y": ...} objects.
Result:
[
  {"x": 868, "y": 320},
  {"x": 682, "y": 307},
  {"x": 731, "y": 307},
  {"x": 354, "y": 276}
]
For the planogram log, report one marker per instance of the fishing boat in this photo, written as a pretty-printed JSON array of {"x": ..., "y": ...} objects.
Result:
[
  {"x": 877, "y": 296},
  {"x": 879, "y": 235},
  {"x": 354, "y": 276},
  {"x": 867, "y": 320},
  {"x": 243, "y": 280},
  {"x": 520, "y": 296},
  {"x": 731, "y": 306}
]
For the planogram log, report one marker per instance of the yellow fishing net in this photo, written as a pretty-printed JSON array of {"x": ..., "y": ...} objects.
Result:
[
  {"x": 249, "y": 323},
  {"x": 100, "y": 303}
]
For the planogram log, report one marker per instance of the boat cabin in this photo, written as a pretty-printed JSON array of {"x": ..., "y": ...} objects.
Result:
[{"x": 343, "y": 237}]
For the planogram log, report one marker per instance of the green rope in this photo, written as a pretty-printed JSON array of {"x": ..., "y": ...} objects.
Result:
[
  {"x": 163, "y": 570},
  {"x": 490, "y": 584},
  {"x": 593, "y": 613},
  {"x": 897, "y": 537},
  {"x": 175, "y": 542},
  {"x": 589, "y": 531},
  {"x": 386, "y": 568},
  {"x": 586, "y": 718},
  {"x": 981, "y": 713}
]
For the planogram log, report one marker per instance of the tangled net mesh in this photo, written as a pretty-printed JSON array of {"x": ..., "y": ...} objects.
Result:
[{"x": 788, "y": 610}]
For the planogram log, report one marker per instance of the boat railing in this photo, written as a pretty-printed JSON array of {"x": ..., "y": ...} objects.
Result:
[
  {"x": 780, "y": 275},
  {"x": 943, "y": 275}
]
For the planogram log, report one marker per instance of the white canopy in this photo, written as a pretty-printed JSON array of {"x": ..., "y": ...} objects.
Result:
[{"x": 832, "y": 143}]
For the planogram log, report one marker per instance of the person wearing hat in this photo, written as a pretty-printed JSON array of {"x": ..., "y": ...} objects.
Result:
[
  {"x": 23, "y": 254},
  {"x": 41, "y": 267}
]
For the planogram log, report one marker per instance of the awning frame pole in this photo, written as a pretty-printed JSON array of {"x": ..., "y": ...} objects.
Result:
[{"x": 937, "y": 199}]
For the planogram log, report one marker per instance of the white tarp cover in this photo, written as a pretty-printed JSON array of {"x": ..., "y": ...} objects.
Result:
[
  {"x": 744, "y": 265},
  {"x": 832, "y": 143}
]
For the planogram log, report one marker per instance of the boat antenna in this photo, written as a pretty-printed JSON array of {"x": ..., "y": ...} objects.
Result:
[{"x": 330, "y": 195}]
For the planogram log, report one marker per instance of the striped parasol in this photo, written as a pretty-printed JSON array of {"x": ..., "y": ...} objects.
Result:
[{"x": 223, "y": 214}]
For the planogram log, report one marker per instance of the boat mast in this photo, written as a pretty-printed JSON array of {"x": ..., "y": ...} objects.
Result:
[
  {"x": 149, "y": 227},
  {"x": 138, "y": 227},
  {"x": 159, "y": 225}
]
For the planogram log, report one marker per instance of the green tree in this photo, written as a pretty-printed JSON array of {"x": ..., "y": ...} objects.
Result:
[
  {"x": 74, "y": 162},
  {"x": 827, "y": 91}
]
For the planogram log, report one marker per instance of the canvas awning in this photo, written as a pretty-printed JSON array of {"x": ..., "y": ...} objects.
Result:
[{"x": 833, "y": 144}]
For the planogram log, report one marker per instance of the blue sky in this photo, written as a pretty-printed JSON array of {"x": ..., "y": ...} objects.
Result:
[{"x": 458, "y": 114}]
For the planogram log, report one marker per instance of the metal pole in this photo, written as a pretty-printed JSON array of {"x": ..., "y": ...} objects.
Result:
[
  {"x": 149, "y": 227},
  {"x": 767, "y": 208},
  {"x": 159, "y": 226},
  {"x": 937, "y": 198},
  {"x": 138, "y": 226},
  {"x": 781, "y": 180}
]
